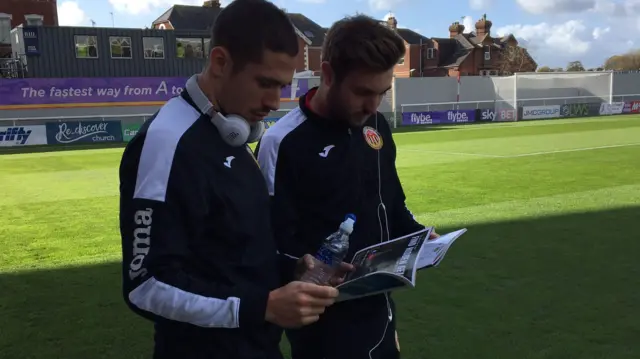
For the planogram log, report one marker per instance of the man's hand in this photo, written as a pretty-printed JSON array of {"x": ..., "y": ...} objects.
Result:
[
  {"x": 339, "y": 276},
  {"x": 307, "y": 262},
  {"x": 298, "y": 304}
]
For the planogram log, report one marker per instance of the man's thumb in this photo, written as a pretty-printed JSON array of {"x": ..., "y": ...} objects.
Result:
[{"x": 309, "y": 263}]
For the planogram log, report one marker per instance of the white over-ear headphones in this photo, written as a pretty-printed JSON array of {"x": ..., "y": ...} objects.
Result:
[{"x": 234, "y": 129}]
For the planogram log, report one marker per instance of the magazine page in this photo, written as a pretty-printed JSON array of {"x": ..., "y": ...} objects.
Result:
[
  {"x": 384, "y": 267},
  {"x": 371, "y": 284},
  {"x": 434, "y": 251}
]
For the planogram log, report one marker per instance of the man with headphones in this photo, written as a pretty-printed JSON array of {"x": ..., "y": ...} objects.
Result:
[
  {"x": 199, "y": 258},
  {"x": 332, "y": 155}
]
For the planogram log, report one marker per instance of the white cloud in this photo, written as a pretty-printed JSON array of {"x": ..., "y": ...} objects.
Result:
[
  {"x": 614, "y": 8},
  {"x": 135, "y": 7},
  {"x": 556, "y": 6},
  {"x": 70, "y": 14},
  {"x": 557, "y": 44},
  {"x": 569, "y": 38},
  {"x": 598, "y": 32},
  {"x": 469, "y": 24},
  {"x": 479, "y": 4},
  {"x": 382, "y": 5},
  {"x": 313, "y": 1}
]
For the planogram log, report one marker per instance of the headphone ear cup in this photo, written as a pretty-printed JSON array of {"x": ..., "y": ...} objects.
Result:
[
  {"x": 233, "y": 129},
  {"x": 257, "y": 130}
]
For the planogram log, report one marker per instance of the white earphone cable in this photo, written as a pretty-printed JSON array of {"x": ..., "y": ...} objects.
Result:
[{"x": 382, "y": 230}]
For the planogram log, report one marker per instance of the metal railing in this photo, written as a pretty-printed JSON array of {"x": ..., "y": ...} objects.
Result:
[
  {"x": 13, "y": 68},
  {"x": 436, "y": 106},
  {"x": 127, "y": 118},
  {"x": 29, "y": 121}
]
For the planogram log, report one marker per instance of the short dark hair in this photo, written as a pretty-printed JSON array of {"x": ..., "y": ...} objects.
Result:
[
  {"x": 361, "y": 42},
  {"x": 246, "y": 28}
]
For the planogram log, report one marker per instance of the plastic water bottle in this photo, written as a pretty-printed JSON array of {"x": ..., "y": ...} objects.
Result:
[{"x": 331, "y": 254}]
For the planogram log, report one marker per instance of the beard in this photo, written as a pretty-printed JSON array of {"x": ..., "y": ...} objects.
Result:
[
  {"x": 336, "y": 106},
  {"x": 340, "y": 111}
]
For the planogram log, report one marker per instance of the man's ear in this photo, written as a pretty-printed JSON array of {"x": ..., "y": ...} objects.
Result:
[
  {"x": 327, "y": 73},
  {"x": 219, "y": 62}
]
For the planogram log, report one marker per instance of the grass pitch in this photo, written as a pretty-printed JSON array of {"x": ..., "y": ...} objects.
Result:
[{"x": 548, "y": 269}]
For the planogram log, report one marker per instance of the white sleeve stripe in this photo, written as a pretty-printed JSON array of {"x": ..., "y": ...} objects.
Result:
[
  {"x": 158, "y": 150},
  {"x": 287, "y": 255},
  {"x": 176, "y": 304},
  {"x": 270, "y": 144}
]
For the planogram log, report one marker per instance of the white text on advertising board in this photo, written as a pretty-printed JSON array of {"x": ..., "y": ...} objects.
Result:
[
  {"x": 455, "y": 116},
  {"x": 421, "y": 119},
  {"x": 635, "y": 107},
  {"x": 488, "y": 114},
  {"x": 98, "y": 133}
]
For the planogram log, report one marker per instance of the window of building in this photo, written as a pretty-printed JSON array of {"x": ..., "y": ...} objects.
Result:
[
  {"x": 120, "y": 47},
  {"x": 431, "y": 53},
  {"x": 34, "y": 20},
  {"x": 190, "y": 48},
  {"x": 153, "y": 47},
  {"x": 401, "y": 61},
  {"x": 487, "y": 53},
  {"x": 5, "y": 28},
  {"x": 206, "y": 43},
  {"x": 308, "y": 34},
  {"x": 86, "y": 46}
]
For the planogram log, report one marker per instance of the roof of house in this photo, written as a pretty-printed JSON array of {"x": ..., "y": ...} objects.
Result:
[
  {"x": 187, "y": 17},
  {"x": 453, "y": 51},
  {"x": 412, "y": 37},
  {"x": 310, "y": 29},
  {"x": 202, "y": 18}
]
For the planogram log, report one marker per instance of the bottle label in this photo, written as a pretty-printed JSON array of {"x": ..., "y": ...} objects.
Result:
[{"x": 325, "y": 255}]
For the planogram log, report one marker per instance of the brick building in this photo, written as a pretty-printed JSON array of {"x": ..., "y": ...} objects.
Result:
[
  {"x": 201, "y": 18},
  {"x": 26, "y": 12},
  {"x": 475, "y": 53}
]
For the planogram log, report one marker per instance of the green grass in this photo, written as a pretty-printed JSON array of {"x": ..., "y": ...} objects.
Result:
[{"x": 548, "y": 269}]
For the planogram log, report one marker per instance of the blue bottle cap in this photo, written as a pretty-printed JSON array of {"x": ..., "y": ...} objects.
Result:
[{"x": 350, "y": 216}]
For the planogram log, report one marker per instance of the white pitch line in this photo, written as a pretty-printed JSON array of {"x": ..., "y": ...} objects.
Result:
[
  {"x": 453, "y": 153},
  {"x": 573, "y": 150},
  {"x": 523, "y": 154}
]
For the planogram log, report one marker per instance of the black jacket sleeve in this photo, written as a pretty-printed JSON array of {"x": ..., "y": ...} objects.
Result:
[
  {"x": 157, "y": 210},
  {"x": 281, "y": 184},
  {"x": 402, "y": 221}
]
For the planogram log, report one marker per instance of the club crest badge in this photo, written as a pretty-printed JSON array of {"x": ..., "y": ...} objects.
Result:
[{"x": 373, "y": 138}]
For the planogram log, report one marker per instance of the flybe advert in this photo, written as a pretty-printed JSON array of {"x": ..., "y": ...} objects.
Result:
[{"x": 438, "y": 117}]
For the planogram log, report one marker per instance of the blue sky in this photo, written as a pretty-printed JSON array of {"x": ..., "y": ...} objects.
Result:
[{"x": 554, "y": 31}]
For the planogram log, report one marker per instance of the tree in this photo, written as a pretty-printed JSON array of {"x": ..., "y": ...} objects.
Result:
[
  {"x": 515, "y": 59},
  {"x": 624, "y": 62},
  {"x": 545, "y": 69},
  {"x": 575, "y": 66}
]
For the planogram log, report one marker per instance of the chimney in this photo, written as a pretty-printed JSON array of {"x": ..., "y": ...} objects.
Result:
[
  {"x": 392, "y": 22},
  {"x": 483, "y": 27},
  {"x": 212, "y": 3},
  {"x": 455, "y": 29}
]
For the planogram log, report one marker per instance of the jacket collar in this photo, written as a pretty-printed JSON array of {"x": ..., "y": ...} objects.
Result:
[{"x": 331, "y": 123}]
